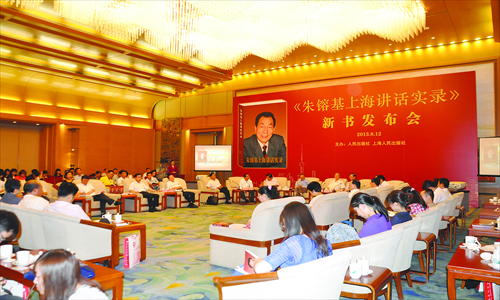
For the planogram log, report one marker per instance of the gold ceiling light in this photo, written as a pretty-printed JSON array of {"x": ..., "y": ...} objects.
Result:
[
  {"x": 222, "y": 33},
  {"x": 26, "y": 4}
]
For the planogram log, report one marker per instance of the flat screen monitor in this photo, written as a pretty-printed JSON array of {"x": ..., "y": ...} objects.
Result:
[
  {"x": 213, "y": 158},
  {"x": 489, "y": 156}
]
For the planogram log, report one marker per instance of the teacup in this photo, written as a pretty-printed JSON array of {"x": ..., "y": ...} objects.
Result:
[
  {"x": 355, "y": 270},
  {"x": 23, "y": 257},
  {"x": 118, "y": 218},
  {"x": 5, "y": 251},
  {"x": 365, "y": 265}
]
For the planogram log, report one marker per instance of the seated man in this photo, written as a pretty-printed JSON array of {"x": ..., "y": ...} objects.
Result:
[
  {"x": 352, "y": 177},
  {"x": 123, "y": 176},
  {"x": 428, "y": 197},
  {"x": 33, "y": 176},
  {"x": 97, "y": 175},
  {"x": 301, "y": 185},
  {"x": 337, "y": 184},
  {"x": 429, "y": 185},
  {"x": 108, "y": 179},
  {"x": 174, "y": 185},
  {"x": 9, "y": 226},
  {"x": 78, "y": 174},
  {"x": 375, "y": 183},
  {"x": 32, "y": 199},
  {"x": 45, "y": 175},
  {"x": 115, "y": 175},
  {"x": 214, "y": 184},
  {"x": 153, "y": 182},
  {"x": 270, "y": 181},
  {"x": 63, "y": 205},
  {"x": 382, "y": 180},
  {"x": 315, "y": 190},
  {"x": 354, "y": 188},
  {"x": 137, "y": 187},
  {"x": 442, "y": 193},
  {"x": 85, "y": 188},
  {"x": 146, "y": 173},
  {"x": 246, "y": 186},
  {"x": 12, "y": 189}
]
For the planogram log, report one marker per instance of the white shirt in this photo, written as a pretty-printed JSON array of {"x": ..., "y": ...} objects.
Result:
[
  {"x": 272, "y": 182},
  {"x": 262, "y": 146},
  {"x": 138, "y": 187},
  {"x": 213, "y": 184},
  {"x": 2, "y": 185},
  {"x": 441, "y": 195},
  {"x": 336, "y": 185},
  {"x": 77, "y": 177},
  {"x": 119, "y": 181},
  {"x": 153, "y": 180},
  {"x": 173, "y": 184},
  {"x": 385, "y": 183},
  {"x": 86, "y": 188},
  {"x": 244, "y": 184},
  {"x": 353, "y": 192},
  {"x": 68, "y": 209},
  {"x": 87, "y": 292},
  {"x": 34, "y": 202},
  {"x": 145, "y": 175}
]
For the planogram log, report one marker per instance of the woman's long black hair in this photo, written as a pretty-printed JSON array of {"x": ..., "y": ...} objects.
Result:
[{"x": 372, "y": 201}]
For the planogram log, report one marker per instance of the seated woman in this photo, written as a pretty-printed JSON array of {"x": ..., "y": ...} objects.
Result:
[
  {"x": 398, "y": 200},
  {"x": 22, "y": 175},
  {"x": 57, "y": 276},
  {"x": 302, "y": 242},
  {"x": 265, "y": 193},
  {"x": 415, "y": 203},
  {"x": 373, "y": 211}
]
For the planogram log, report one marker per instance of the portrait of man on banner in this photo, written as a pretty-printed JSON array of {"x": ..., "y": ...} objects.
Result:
[{"x": 265, "y": 148}]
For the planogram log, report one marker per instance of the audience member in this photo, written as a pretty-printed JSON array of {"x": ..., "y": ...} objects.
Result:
[
  {"x": 78, "y": 174},
  {"x": 174, "y": 185},
  {"x": 9, "y": 225},
  {"x": 442, "y": 193},
  {"x": 375, "y": 183},
  {"x": 21, "y": 176},
  {"x": 173, "y": 169},
  {"x": 301, "y": 185},
  {"x": 315, "y": 190},
  {"x": 429, "y": 185},
  {"x": 7, "y": 174},
  {"x": 58, "y": 276},
  {"x": 68, "y": 177},
  {"x": 373, "y": 211},
  {"x": 13, "y": 173},
  {"x": 246, "y": 185},
  {"x": 302, "y": 242},
  {"x": 57, "y": 173},
  {"x": 354, "y": 186},
  {"x": 162, "y": 170},
  {"x": 270, "y": 181},
  {"x": 146, "y": 173},
  {"x": 34, "y": 175},
  {"x": 382, "y": 181},
  {"x": 416, "y": 204},
  {"x": 12, "y": 189},
  {"x": 265, "y": 193},
  {"x": 32, "y": 199},
  {"x": 85, "y": 188},
  {"x": 152, "y": 181},
  {"x": 64, "y": 203},
  {"x": 352, "y": 176},
  {"x": 115, "y": 175},
  {"x": 337, "y": 184},
  {"x": 138, "y": 187},
  {"x": 104, "y": 172},
  {"x": 398, "y": 201},
  {"x": 214, "y": 184},
  {"x": 45, "y": 175},
  {"x": 2, "y": 183},
  {"x": 340, "y": 232},
  {"x": 123, "y": 176},
  {"x": 108, "y": 179},
  {"x": 428, "y": 197},
  {"x": 97, "y": 175}
]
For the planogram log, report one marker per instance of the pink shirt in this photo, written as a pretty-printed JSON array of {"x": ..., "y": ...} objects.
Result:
[{"x": 69, "y": 209}]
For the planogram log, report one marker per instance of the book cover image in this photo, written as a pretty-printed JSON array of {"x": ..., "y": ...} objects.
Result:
[
  {"x": 249, "y": 262},
  {"x": 262, "y": 134}
]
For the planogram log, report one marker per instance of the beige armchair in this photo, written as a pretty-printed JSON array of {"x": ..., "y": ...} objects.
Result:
[
  {"x": 283, "y": 181},
  {"x": 178, "y": 200},
  {"x": 370, "y": 191},
  {"x": 327, "y": 182},
  {"x": 329, "y": 209},
  {"x": 382, "y": 193},
  {"x": 307, "y": 195},
  {"x": 317, "y": 279},
  {"x": 365, "y": 184},
  {"x": 137, "y": 203},
  {"x": 206, "y": 192},
  {"x": 228, "y": 244},
  {"x": 51, "y": 191}
]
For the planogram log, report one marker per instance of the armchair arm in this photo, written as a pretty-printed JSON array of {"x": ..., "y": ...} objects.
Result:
[
  {"x": 244, "y": 279},
  {"x": 347, "y": 244}
]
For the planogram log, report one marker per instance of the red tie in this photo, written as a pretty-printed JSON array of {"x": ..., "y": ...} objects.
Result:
[{"x": 264, "y": 151}]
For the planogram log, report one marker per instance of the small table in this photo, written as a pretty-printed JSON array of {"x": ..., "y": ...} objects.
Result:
[
  {"x": 287, "y": 192},
  {"x": 237, "y": 196},
  {"x": 489, "y": 213},
  {"x": 109, "y": 279},
  {"x": 490, "y": 232},
  {"x": 129, "y": 196},
  {"x": 172, "y": 193},
  {"x": 491, "y": 205},
  {"x": 133, "y": 226},
  {"x": 467, "y": 264},
  {"x": 375, "y": 282}
]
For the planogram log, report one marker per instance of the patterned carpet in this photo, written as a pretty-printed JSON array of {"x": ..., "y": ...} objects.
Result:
[{"x": 178, "y": 251}]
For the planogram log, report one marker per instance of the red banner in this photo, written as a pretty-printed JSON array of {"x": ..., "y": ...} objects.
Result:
[{"x": 408, "y": 129}]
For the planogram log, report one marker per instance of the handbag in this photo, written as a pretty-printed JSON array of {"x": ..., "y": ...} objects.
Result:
[{"x": 212, "y": 200}]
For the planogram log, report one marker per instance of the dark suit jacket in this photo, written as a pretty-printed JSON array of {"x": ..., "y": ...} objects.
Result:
[
  {"x": 10, "y": 198},
  {"x": 276, "y": 152}
]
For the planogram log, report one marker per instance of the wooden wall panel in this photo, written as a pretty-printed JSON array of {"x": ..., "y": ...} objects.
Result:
[
  {"x": 143, "y": 149},
  {"x": 18, "y": 143},
  {"x": 10, "y": 144},
  {"x": 120, "y": 150},
  {"x": 29, "y": 143},
  {"x": 97, "y": 149}
]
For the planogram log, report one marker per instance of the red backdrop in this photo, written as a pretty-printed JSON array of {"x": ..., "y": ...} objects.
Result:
[{"x": 408, "y": 129}]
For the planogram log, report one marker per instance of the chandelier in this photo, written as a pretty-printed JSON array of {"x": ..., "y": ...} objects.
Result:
[{"x": 222, "y": 33}]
